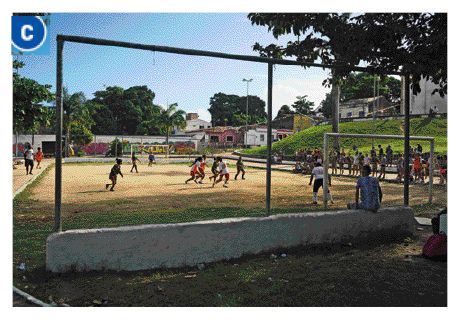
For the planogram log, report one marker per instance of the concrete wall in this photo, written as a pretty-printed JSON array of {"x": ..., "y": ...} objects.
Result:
[{"x": 188, "y": 244}]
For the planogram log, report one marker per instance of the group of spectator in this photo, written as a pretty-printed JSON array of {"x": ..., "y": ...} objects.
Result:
[{"x": 377, "y": 159}]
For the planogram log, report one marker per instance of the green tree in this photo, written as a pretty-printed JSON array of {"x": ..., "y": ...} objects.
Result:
[
  {"x": 77, "y": 117},
  {"x": 227, "y": 110},
  {"x": 387, "y": 42},
  {"x": 120, "y": 110},
  {"x": 171, "y": 117},
  {"x": 284, "y": 111},
  {"x": 302, "y": 105},
  {"x": 29, "y": 113}
]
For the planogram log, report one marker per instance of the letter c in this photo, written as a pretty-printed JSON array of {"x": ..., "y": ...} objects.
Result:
[{"x": 23, "y": 32}]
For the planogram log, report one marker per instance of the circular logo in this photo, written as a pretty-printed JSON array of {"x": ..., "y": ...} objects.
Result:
[{"x": 28, "y": 33}]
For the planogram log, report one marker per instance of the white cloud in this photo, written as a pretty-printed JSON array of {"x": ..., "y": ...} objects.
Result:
[{"x": 287, "y": 91}]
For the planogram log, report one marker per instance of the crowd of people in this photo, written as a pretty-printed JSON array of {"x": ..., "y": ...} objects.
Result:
[{"x": 377, "y": 159}]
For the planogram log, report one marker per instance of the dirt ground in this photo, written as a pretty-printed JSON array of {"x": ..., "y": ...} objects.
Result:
[{"x": 162, "y": 187}]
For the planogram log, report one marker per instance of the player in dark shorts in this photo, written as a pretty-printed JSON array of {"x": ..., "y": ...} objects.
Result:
[
  {"x": 214, "y": 170},
  {"x": 134, "y": 160},
  {"x": 239, "y": 168},
  {"x": 116, "y": 169},
  {"x": 151, "y": 159},
  {"x": 318, "y": 174}
]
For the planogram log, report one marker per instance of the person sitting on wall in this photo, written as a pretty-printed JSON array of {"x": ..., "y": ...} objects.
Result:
[{"x": 371, "y": 193}]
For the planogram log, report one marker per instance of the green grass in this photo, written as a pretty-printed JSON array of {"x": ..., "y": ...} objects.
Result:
[{"x": 314, "y": 137}]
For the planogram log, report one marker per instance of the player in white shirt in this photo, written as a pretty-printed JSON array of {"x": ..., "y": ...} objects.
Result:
[
  {"x": 223, "y": 172},
  {"x": 194, "y": 168},
  {"x": 29, "y": 159},
  {"x": 318, "y": 173}
]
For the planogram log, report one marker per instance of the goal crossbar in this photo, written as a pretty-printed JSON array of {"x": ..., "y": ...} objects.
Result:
[{"x": 376, "y": 136}]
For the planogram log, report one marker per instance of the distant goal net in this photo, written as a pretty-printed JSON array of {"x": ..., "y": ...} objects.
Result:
[{"x": 144, "y": 150}]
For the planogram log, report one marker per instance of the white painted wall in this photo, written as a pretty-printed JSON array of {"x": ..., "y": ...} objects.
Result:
[
  {"x": 188, "y": 244},
  {"x": 421, "y": 103}
]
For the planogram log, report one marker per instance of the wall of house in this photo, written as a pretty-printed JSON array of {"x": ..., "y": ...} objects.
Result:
[
  {"x": 300, "y": 122},
  {"x": 422, "y": 102}
]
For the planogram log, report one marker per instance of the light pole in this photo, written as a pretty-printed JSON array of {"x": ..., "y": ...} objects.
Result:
[{"x": 247, "y": 103}]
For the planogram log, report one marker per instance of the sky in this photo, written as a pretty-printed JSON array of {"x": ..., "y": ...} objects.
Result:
[{"x": 189, "y": 81}]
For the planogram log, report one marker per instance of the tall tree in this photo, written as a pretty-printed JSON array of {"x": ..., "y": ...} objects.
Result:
[
  {"x": 302, "y": 105},
  {"x": 284, "y": 111},
  {"x": 171, "y": 117},
  {"x": 121, "y": 111},
  {"x": 388, "y": 42},
  {"x": 29, "y": 113},
  {"x": 77, "y": 117},
  {"x": 228, "y": 110}
]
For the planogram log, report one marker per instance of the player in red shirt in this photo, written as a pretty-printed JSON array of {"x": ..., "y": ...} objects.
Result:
[
  {"x": 39, "y": 157},
  {"x": 201, "y": 169}
]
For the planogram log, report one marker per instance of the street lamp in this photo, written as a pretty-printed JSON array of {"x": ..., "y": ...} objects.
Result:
[{"x": 247, "y": 103}]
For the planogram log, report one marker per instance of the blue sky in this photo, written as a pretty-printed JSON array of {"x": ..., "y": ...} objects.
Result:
[{"x": 188, "y": 80}]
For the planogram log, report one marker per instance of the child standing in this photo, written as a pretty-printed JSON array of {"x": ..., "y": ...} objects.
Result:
[
  {"x": 223, "y": 172},
  {"x": 239, "y": 168},
  {"x": 39, "y": 157},
  {"x": 116, "y": 169}
]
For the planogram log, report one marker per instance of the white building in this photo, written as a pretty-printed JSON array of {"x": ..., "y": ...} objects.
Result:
[
  {"x": 422, "y": 102},
  {"x": 192, "y": 125},
  {"x": 257, "y": 135}
]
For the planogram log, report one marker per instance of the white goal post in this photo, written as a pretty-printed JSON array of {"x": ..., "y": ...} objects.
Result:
[{"x": 376, "y": 136}]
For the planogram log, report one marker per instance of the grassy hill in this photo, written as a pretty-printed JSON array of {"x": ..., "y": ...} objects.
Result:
[{"x": 314, "y": 136}]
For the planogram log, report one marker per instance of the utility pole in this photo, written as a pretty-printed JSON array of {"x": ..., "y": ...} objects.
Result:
[{"x": 247, "y": 105}]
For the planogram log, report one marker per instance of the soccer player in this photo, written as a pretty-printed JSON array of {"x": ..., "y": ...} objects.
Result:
[
  {"x": 214, "y": 171},
  {"x": 151, "y": 159},
  {"x": 240, "y": 168},
  {"x": 318, "y": 174},
  {"x": 29, "y": 159},
  {"x": 39, "y": 157},
  {"x": 194, "y": 168},
  {"x": 134, "y": 160},
  {"x": 201, "y": 169},
  {"x": 116, "y": 169},
  {"x": 223, "y": 172}
]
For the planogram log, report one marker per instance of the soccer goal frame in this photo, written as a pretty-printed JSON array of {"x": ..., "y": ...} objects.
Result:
[
  {"x": 374, "y": 136},
  {"x": 154, "y": 148},
  {"x": 270, "y": 62}
]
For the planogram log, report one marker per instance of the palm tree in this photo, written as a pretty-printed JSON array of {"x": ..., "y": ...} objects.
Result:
[
  {"x": 169, "y": 118},
  {"x": 76, "y": 114}
]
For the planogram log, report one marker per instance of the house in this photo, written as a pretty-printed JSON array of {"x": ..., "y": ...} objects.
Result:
[
  {"x": 256, "y": 135},
  {"x": 356, "y": 108},
  {"x": 223, "y": 136},
  {"x": 294, "y": 122},
  {"x": 424, "y": 100},
  {"x": 193, "y": 124}
]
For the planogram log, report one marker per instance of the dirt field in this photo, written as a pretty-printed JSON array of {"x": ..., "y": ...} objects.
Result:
[{"x": 162, "y": 188}]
